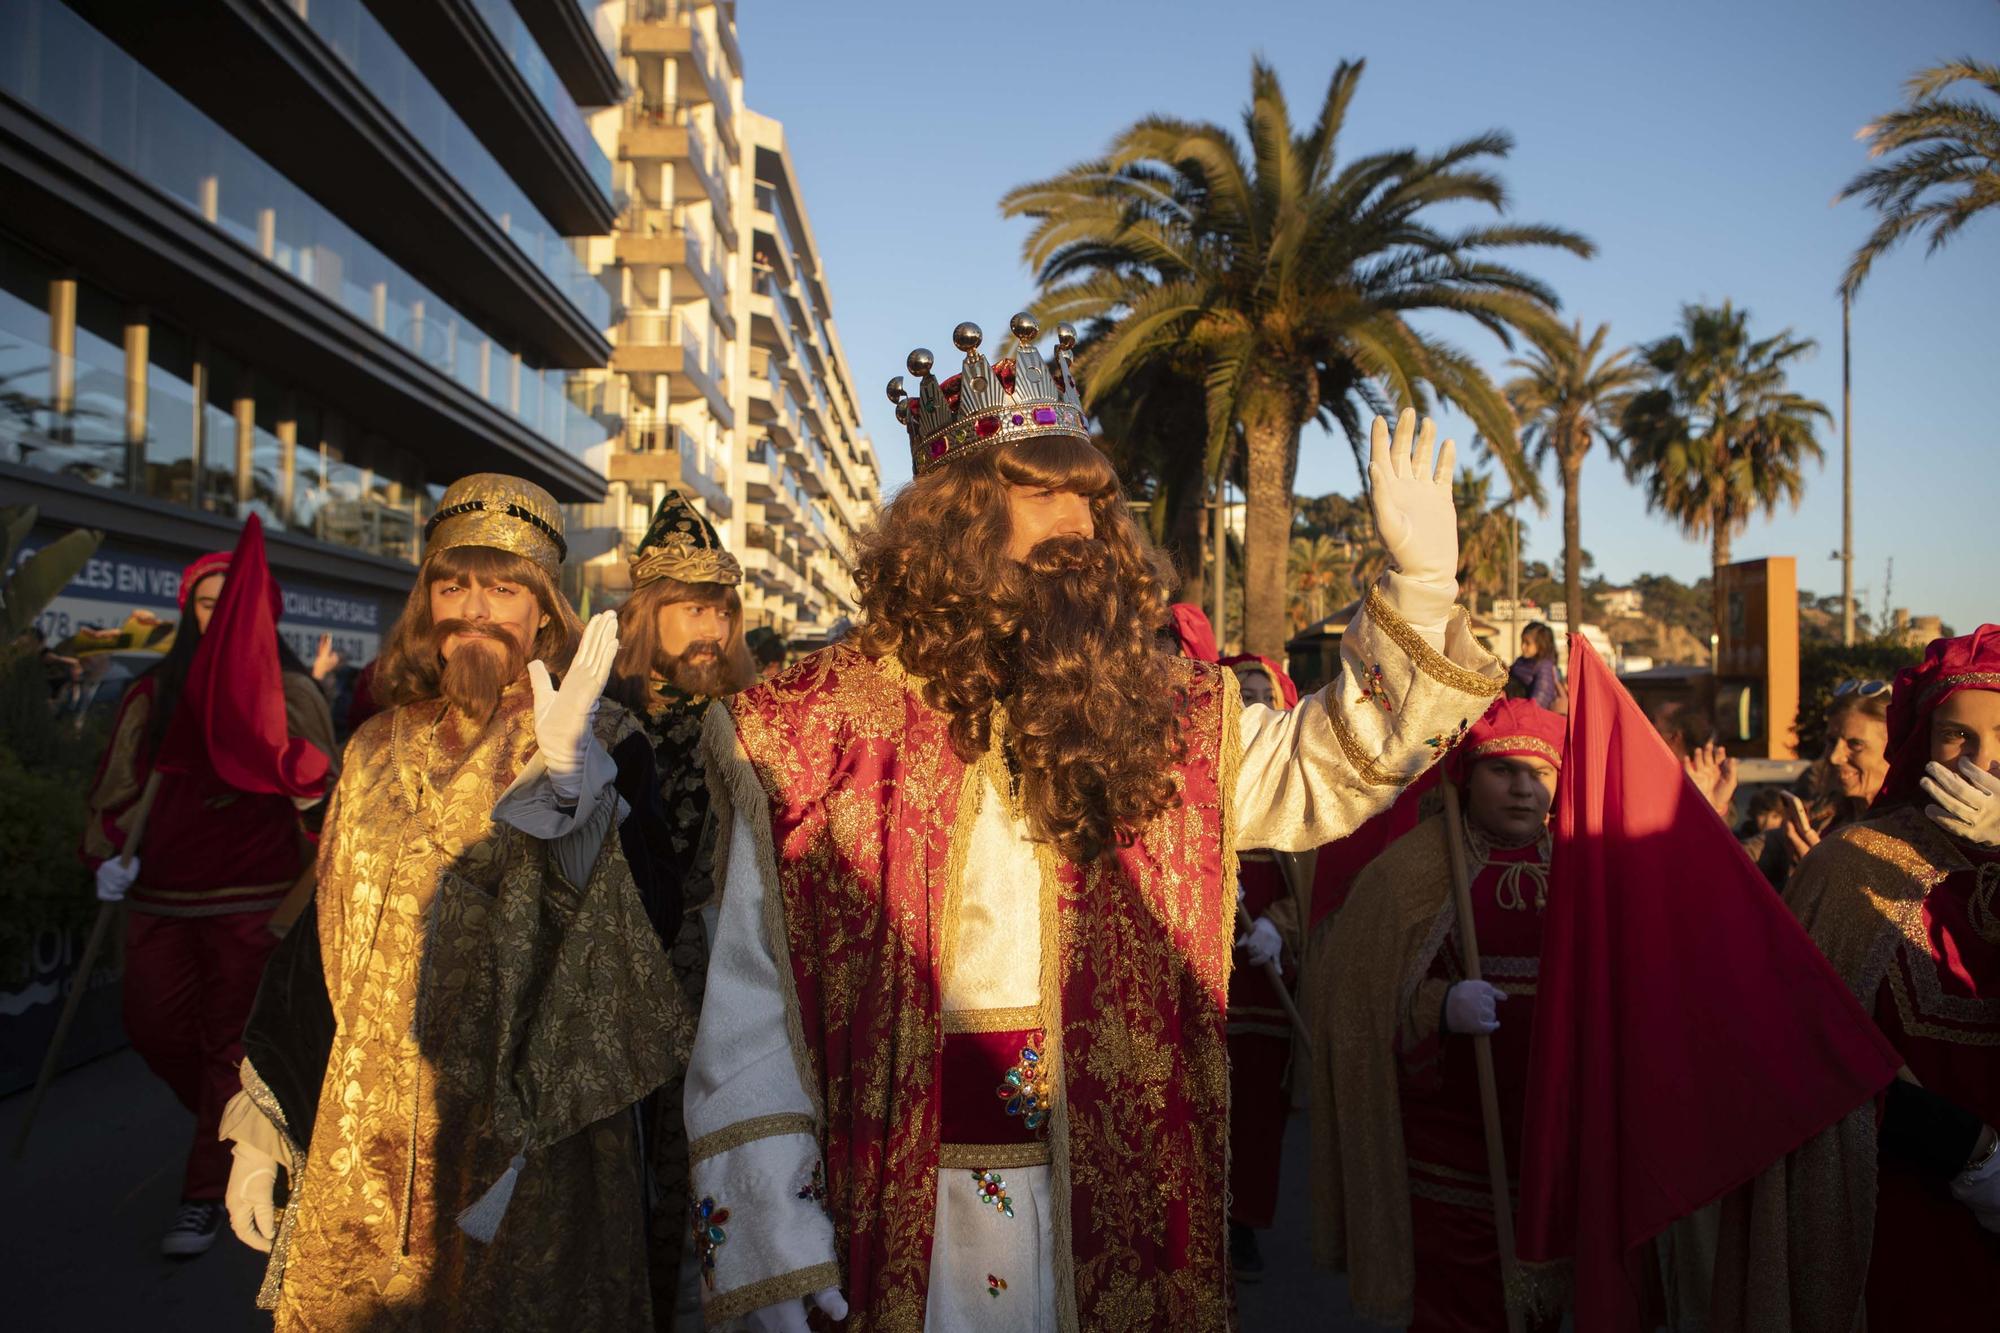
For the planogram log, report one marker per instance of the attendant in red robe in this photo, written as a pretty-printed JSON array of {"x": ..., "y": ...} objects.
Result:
[
  {"x": 1895, "y": 1212},
  {"x": 1276, "y": 887},
  {"x": 215, "y": 864},
  {"x": 1401, "y": 1194}
]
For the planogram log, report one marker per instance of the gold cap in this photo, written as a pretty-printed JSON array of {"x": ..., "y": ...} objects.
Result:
[{"x": 507, "y": 513}]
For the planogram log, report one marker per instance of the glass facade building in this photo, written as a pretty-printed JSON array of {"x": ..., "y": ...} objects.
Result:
[{"x": 200, "y": 320}]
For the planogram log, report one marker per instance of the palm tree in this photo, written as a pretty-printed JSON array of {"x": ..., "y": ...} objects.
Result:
[
  {"x": 1570, "y": 393},
  {"x": 1949, "y": 173},
  {"x": 1318, "y": 565},
  {"x": 1288, "y": 278},
  {"x": 1719, "y": 438},
  {"x": 1482, "y": 535}
]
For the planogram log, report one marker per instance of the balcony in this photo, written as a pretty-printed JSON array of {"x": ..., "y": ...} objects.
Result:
[
  {"x": 484, "y": 58},
  {"x": 656, "y": 451},
  {"x": 361, "y": 124},
  {"x": 659, "y": 342},
  {"x": 648, "y": 243},
  {"x": 654, "y": 133},
  {"x": 574, "y": 36}
]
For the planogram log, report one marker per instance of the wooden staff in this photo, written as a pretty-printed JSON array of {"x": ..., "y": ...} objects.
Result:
[
  {"x": 99, "y": 930},
  {"x": 1277, "y": 977},
  {"x": 1489, "y": 1088}
]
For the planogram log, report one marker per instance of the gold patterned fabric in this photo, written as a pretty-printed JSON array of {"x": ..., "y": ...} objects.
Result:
[
  {"x": 484, "y": 1007},
  {"x": 1358, "y": 989},
  {"x": 1795, "y": 1243},
  {"x": 507, "y": 513}
]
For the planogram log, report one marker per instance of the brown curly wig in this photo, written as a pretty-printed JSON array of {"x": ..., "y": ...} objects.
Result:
[
  {"x": 410, "y": 668},
  {"x": 1064, "y": 641}
]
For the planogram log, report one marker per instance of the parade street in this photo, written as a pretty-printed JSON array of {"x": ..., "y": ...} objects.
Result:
[{"x": 112, "y": 1133}]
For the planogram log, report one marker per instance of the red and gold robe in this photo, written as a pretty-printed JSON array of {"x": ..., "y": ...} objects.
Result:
[{"x": 887, "y": 914}]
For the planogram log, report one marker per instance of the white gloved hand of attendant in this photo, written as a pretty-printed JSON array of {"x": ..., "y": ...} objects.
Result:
[
  {"x": 1967, "y": 801},
  {"x": 563, "y": 716},
  {"x": 790, "y": 1316},
  {"x": 253, "y": 1176},
  {"x": 1263, "y": 944},
  {"x": 1978, "y": 1188},
  {"x": 1411, "y": 487},
  {"x": 1472, "y": 1007},
  {"x": 114, "y": 877}
]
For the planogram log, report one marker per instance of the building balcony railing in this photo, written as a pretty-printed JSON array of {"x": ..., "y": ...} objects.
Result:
[
  {"x": 535, "y": 70},
  {"x": 354, "y": 37}
]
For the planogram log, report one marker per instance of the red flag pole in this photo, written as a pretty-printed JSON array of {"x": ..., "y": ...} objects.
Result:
[{"x": 1489, "y": 1087}]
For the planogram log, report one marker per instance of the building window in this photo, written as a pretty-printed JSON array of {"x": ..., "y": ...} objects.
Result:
[
  {"x": 25, "y": 360},
  {"x": 173, "y": 417},
  {"x": 265, "y": 487},
  {"x": 92, "y": 429}
]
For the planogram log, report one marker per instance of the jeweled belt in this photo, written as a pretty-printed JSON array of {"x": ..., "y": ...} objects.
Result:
[{"x": 997, "y": 1094}]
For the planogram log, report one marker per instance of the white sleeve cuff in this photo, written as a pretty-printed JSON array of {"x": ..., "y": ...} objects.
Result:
[{"x": 1425, "y": 607}]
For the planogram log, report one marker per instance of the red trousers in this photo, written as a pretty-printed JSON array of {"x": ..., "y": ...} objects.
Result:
[
  {"x": 1258, "y": 1106},
  {"x": 189, "y": 983}
]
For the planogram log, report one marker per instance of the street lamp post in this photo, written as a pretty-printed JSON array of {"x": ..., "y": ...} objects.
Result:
[{"x": 1846, "y": 486}]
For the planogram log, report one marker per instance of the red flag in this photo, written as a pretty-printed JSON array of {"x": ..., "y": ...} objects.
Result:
[
  {"x": 231, "y": 714},
  {"x": 1687, "y": 1032}
]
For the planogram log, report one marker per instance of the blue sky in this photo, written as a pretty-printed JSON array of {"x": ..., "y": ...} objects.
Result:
[{"x": 1699, "y": 145}]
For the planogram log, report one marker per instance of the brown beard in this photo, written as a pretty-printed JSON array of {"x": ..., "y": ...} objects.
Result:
[
  {"x": 1092, "y": 705},
  {"x": 475, "y": 675},
  {"x": 700, "y": 669}
]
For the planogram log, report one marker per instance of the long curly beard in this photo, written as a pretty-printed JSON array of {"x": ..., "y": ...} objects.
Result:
[{"x": 1093, "y": 709}]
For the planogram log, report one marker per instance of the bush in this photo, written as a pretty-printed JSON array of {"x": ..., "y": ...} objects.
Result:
[
  {"x": 1822, "y": 666},
  {"x": 45, "y": 772}
]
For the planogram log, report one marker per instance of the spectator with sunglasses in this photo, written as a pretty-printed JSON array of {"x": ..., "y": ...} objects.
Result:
[{"x": 1843, "y": 783}]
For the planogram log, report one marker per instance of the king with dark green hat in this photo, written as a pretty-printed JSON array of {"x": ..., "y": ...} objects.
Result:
[{"x": 681, "y": 646}]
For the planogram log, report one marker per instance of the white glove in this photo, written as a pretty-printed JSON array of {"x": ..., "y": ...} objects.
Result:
[
  {"x": 252, "y": 1215},
  {"x": 1978, "y": 1188},
  {"x": 1968, "y": 801},
  {"x": 1472, "y": 1007},
  {"x": 1413, "y": 508},
  {"x": 790, "y": 1316},
  {"x": 114, "y": 877},
  {"x": 1263, "y": 944},
  {"x": 563, "y": 716}
]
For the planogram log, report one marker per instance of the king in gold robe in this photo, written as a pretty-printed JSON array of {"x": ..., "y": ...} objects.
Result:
[{"x": 448, "y": 1053}]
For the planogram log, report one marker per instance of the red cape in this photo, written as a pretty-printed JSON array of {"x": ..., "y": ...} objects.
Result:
[
  {"x": 231, "y": 715},
  {"x": 1687, "y": 1033}
]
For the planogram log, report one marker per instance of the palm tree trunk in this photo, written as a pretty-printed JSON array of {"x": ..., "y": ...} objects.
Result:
[
  {"x": 1572, "y": 480},
  {"x": 1271, "y": 444},
  {"x": 1187, "y": 539},
  {"x": 1719, "y": 543}
]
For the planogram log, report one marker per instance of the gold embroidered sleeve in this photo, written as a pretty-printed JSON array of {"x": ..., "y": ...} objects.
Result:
[
  {"x": 1319, "y": 771},
  {"x": 118, "y": 784}
]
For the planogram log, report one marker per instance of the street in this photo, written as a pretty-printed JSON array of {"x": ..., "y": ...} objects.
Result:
[{"x": 102, "y": 1176}]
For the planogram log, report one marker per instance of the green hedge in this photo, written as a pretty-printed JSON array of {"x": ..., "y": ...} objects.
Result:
[{"x": 45, "y": 772}]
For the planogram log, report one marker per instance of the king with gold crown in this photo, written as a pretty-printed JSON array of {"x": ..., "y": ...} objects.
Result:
[
  {"x": 962, "y": 1061},
  {"x": 445, "y": 1054}
]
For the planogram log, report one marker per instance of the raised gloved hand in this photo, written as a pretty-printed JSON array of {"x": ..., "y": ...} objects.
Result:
[
  {"x": 1263, "y": 944},
  {"x": 114, "y": 877},
  {"x": 1412, "y": 494},
  {"x": 563, "y": 716},
  {"x": 1978, "y": 1188},
  {"x": 253, "y": 1175},
  {"x": 1968, "y": 801},
  {"x": 1472, "y": 1007},
  {"x": 790, "y": 1316}
]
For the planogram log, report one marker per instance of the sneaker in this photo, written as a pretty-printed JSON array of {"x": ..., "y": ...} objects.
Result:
[
  {"x": 1244, "y": 1256},
  {"x": 195, "y": 1228}
]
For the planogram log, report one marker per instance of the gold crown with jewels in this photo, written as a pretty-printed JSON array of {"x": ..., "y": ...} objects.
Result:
[{"x": 990, "y": 402}]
